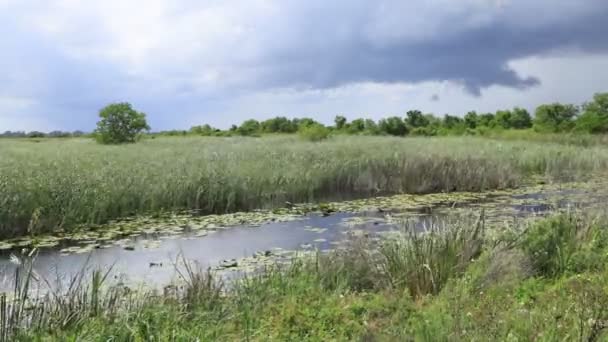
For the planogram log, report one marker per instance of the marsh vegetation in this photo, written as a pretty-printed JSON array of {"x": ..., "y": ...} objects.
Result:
[
  {"x": 544, "y": 280},
  {"x": 65, "y": 185}
]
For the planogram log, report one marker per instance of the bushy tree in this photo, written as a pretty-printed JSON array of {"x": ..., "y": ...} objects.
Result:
[
  {"x": 119, "y": 123},
  {"x": 314, "y": 132},
  {"x": 249, "y": 127},
  {"x": 356, "y": 126},
  {"x": 595, "y": 115},
  {"x": 555, "y": 117},
  {"x": 393, "y": 126},
  {"x": 204, "y": 130},
  {"x": 451, "y": 122},
  {"x": 280, "y": 124},
  {"x": 371, "y": 127},
  {"x": 520, "y": 118},
  {"x": 340, "y": 122},
  {"x": 36, "y": 134},
  {"x": 416, "y": 119},
  {"x": 503, "y": 118},
  {"x": 487, "y": 120},
  {"x": 304, "y": 122},
  {"x": 471, "y": 120}
]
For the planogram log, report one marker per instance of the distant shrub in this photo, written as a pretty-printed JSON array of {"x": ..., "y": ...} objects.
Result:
[
  {"x": 314, "y": 132},
  {"x": 120, "y": 124}
]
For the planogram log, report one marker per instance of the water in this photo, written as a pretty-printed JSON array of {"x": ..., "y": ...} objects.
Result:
[{"x": 156, "y": 266}]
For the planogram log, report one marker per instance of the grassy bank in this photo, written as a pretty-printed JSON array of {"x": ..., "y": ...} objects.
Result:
[
  {"x": 543, "y": 282},
  {"x": 60, "y": 184}
]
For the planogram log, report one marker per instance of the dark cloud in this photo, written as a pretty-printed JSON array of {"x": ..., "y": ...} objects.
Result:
[
  {"x": 244, "y": 47},
  {"x": 477, "y": 56},
  {"x": 435, "y": 98}
]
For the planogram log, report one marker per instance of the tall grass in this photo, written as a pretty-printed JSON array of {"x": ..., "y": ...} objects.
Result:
[{"x": 59, "y": 184}]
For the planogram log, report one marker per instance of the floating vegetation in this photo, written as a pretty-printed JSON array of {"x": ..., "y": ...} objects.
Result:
[
  {"x": 500, "y": 206},
  {"x": 151, "y": 244},
  {"x": 77, "y": 249},
  {"x": 316, "y": 230}
]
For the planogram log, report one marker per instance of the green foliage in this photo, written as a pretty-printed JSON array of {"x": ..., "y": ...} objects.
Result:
[
  {"x": 205, "y": 130},
  {"x": 119, "y": 124},
  {"x": 314, "y": 132},
  {"x": 279, "y": 124},
  {"x": 393, "y": 126},
  {"x": 424, "y": 131},
  {"x": 452, "y": 122},
  {"x": 371, "y": 127},
  {"x": 487, "y": 120},
  {"x": 340, "y": 122},
  {"x": 249, "y": 128},
  {"x": 471, "y": 120},
  {"x": 305, "y": 122},
  {"x": 520, "y": 119},
  {"x": 416, "y": 119},
  {"x": 503, "y": 119},
  {"x": 565, "y": 244},
  {"x": 357, "y": 126},
  {"x": 595, "y": 115},
  {"x": 555, "y": 117}
]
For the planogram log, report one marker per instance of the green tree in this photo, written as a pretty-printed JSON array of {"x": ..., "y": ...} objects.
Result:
[
  {"x": 249, "y": 127},
  {"x": 451, "y": 122},
  {"x": 595, "y": 115},
  {"x": 555, "y": 117},
  {"x": 393, "y": 126},
  {"x": 371, "y": 127},
  {"x": 340, "y": 122},
  {"x": 304, "y": 122},
  {"x": 471, "y": 119},
  {"x": 314, "y": 132},
  {"x": 204, "y": 130},
  {"x": 119, "y": 124},
  {"x": 520, "y": 118},
  {"x": 487, "y": 120},
  {"x": 416, "y": 119},
  {"x": 503, "y": 118},
  {"x": 280, "y": 124},
  {"x": 356, "y": 126}
]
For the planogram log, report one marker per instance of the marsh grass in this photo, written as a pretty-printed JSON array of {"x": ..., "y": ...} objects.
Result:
[
  {"x": 445, "y": 284},
  {"x": 64, "y": 185},
  {"x": 424, "y": 262},
  {"x": 285, "y": 296}
]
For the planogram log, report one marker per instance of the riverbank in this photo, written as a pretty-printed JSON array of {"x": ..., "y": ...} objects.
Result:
[{"x": 541, "y": 281}]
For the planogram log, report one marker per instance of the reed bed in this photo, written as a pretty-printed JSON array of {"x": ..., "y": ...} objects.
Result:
[{"x": 51, "y": 185}]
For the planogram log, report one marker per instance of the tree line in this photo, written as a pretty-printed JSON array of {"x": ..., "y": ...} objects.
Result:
[{"x": 591, "y": 117}]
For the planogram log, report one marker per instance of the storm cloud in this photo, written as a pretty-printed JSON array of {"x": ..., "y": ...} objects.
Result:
[{"x": 62, "y": 59}]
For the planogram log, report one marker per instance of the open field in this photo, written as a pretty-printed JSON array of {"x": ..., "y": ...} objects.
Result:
[
  {"x": 63, "y": 184},
  {"x": 541, "y": 282}
]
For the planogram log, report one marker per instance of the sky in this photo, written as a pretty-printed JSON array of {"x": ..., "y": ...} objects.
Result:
[{"x": 190, "y": 62}]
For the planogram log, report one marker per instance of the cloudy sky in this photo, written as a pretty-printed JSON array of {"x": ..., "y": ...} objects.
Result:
[{"x": 187, "y": 62}]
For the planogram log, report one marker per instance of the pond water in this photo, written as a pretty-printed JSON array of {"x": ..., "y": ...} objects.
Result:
[{"x": 151, "y": 258}]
